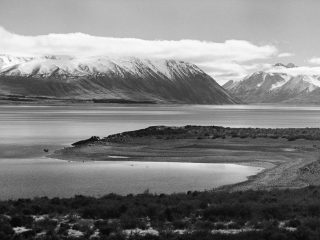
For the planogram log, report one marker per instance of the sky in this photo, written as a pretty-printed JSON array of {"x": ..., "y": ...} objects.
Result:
[{"x": 226, "y": 38}]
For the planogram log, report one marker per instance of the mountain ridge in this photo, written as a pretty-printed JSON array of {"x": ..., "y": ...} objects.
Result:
[
  {"x": 132, "y": 79},
  {"x": 276, "y": 86}
]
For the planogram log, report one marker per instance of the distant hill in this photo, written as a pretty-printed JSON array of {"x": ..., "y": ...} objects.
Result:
[
  {"x": 108, "y": 80},
  {"x": 276, "y": 86}
]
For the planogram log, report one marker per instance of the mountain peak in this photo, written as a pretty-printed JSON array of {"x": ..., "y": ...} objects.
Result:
[{"x": 289, "y": 65}]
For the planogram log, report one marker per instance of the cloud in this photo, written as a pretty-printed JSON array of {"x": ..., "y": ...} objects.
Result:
[
  {"x": 225, "y": 59},
  {"x": 285, "y": 54},
  {"x": 314, "y": 60},
  {"x": 305, "y": 70},
  {"x": 221, "y": 70},
  {"x": 301, "y": 70}
]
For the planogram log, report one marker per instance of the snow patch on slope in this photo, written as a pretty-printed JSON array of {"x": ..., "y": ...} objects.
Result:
[
  {"x": 8, "y": 60},
  {"x": 314, "y": 80},
  {"x": 279, "y": 84}
]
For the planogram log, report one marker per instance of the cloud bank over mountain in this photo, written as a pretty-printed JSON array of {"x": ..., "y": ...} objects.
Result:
[
  {"x": 232, "y": 59},
  {"x": 303, "y": 70}
]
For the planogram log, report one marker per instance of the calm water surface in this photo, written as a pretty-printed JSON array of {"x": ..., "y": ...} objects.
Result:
[
  {"x": 49, "y": 177},
  {"x": 66, "y": 124},
  {"x": 24, "y": 130}
]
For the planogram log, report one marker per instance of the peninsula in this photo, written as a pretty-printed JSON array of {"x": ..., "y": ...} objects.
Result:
[{"x": 289, "y": 156}]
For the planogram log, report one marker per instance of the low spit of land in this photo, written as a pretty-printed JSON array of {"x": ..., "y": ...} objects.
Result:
[{"x": 289, "y": 156}]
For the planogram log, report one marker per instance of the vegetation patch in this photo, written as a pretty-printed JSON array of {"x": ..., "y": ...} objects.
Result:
[{"x": 275, "y": 214}]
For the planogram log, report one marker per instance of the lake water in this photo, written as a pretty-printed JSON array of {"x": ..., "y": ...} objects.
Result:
[
  {"x": 49, "y": 177},
  {"x": 26, "y": 130},
  {"x": 66, "y": 124}
]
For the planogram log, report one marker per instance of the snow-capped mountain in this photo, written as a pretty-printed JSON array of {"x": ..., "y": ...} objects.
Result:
[
  {"x": 132, "y": 79},
  {"x": 8, "y": 60},
  {"x": 276, "y": 85}
]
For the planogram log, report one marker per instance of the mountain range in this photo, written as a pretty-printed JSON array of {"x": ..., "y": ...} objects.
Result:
[
  {"x": 276, "y": 85},
  {"x": 108, "y": 79}
]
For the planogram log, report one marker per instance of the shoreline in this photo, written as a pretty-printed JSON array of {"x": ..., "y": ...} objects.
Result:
[
  {"x": 282, "y": 158},
  {"x": 36, "y": 152},
  {"x": 286, "y": 163}
]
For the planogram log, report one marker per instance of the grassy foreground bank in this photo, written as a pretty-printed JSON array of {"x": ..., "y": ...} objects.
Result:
[{"x": 276, "y": 214}]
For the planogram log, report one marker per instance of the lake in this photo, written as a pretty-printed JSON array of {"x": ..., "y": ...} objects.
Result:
[
  {"x": 25, "y": 178},
  {"x": 26, "y": 130},
  {"x": 63, "y": 125}
]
